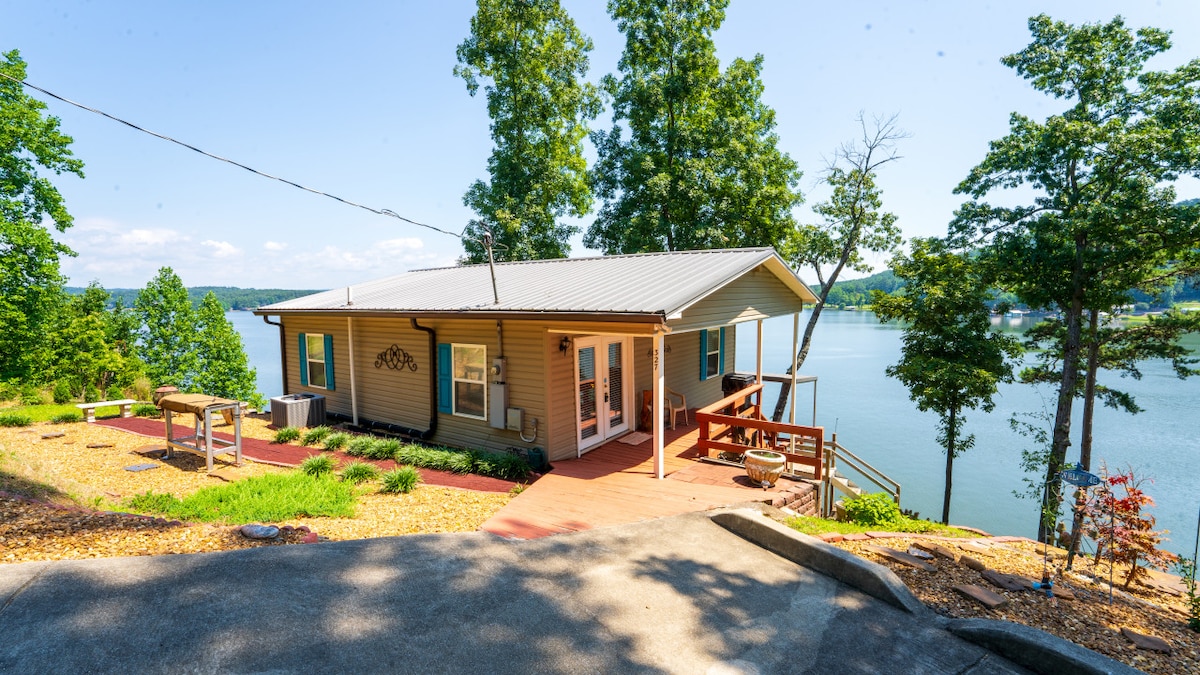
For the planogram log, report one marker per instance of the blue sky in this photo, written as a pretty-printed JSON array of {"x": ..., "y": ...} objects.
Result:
[{"x": 358, "y": 99}]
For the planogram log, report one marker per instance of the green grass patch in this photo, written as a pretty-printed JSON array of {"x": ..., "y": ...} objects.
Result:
[
  {"x": 818, "y": 526},
  {"x": 268, "y": 498},
  {"x": 69, "y": 417},
  {"x": 15, "y": 419},
  {"x": 46, "y": 412}
]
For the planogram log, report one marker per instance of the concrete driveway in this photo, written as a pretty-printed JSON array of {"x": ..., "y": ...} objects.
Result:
[{"x": 675, "y": 595}]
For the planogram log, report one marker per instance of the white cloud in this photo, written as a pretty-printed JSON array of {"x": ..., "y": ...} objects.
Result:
[
  {"x": 275, "y": 245},
  {"x": 221, "y": 249}
]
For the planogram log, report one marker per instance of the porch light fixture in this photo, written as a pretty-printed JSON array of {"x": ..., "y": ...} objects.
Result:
[{"x": 564, "y": 345}]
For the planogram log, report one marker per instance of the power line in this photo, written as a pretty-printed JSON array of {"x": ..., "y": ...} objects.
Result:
[{"x": 381, "y": 212}]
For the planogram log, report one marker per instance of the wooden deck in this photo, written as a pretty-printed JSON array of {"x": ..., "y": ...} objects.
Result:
[{"x": 615, "y": 484}]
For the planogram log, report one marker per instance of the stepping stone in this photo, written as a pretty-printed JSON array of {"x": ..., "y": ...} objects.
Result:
[
  {"x": 975, "y": 548},
  {"x": 973, "y": 563},
  {"x": 1148, "y": 642},
  {"x": 831, "y": 537},
  {"x": 1009, "y": 582},
  {"x": 918, "y": 553},
  {"x": 93, "y": 446},
  {"x": 1063, "y": 592},
  {"x": 981, "y": 595},
  {"x": 54, "y": 434},
  {"x": 937, "y": 549},
  {"x": 141, "y": 467},
  {"x": 901, "y": 556},
  {"x": 256, "y": 531},
  {"x": 223, "y": 475}
]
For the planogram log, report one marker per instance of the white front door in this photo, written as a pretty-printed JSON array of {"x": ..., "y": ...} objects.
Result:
[{"x": 602, "y": 385}]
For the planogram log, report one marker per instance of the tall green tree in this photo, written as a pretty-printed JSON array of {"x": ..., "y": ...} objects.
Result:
[
  {"x": 1103, "y": 217},
  {"x": 86, "y": 357},
  {"x": 222, "y": 368},
  {"x": 951, "y": 359},
  {"x": 531, "y": 59},
  {"x": 692, "y": 160},
  {"x": 169, "y": 330},
  {"x": 853, "y": 223},
  {"x": 30, "y": 281}
]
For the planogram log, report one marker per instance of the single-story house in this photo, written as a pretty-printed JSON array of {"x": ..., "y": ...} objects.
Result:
[{"x": 551, "y": 353}]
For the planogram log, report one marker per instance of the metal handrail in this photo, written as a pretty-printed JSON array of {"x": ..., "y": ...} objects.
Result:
[
  {"x": 852, "y": 458},
  {"x": 864, "y": 468}
]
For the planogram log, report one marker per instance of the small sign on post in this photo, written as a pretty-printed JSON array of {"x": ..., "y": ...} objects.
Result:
[{"x": 1080, "y": 478}]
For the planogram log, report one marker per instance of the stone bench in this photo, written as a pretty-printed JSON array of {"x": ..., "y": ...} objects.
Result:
[{"x": 89, "y": 409}]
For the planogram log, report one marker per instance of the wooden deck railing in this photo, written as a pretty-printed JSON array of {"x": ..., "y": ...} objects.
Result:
[{"x": 736, "y": 424}]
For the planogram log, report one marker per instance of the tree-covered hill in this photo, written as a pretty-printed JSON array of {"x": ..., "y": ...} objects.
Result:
[
  {"x": 231, "y": 297},
  {"x": 858, "y": 291}
]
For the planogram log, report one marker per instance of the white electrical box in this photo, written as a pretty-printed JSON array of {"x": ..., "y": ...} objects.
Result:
[{"x": 516, "y": 419}]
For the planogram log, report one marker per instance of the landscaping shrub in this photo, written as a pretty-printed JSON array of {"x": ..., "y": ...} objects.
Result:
[
  {"x": 360, "y": 445},
  {"x": 62, "y": 392},
  {"x": 508, "y": 466},
  {"x": 272, "y": 497},
  {"x": 383, "y": 448},
  {"x": 337, "y": 441},
  {"x": 359, "y": 472},
  {"x": 30, "y": 395},
  {"x": 873, "y": 510},
  {"x": 511, "y": 466},
  {"x": 1187, "y": 573},
  {"x": 402, "y": 480},
  {"x": 15, "y": 419},
  {"x": 287, "y": 435},
  {"x": 67, "y": 417},
  {"x": 145, "y": 410},
  {"x": 114, "y": 393},
  {"x": 317, "y": 465},
  {"x": 90, "y": 394},
  {"x": 315, "y": 435},
  {"x": 143, "y": 388}
]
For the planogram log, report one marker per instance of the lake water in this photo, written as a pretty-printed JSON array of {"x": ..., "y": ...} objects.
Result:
[{"x": 875, "y": 419}]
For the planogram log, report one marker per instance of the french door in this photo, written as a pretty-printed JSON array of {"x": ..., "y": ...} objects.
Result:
[{"x": 602, "y": 384}]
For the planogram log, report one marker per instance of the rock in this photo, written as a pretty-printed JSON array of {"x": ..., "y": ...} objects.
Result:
[
  {"x": 918, "y": 553},
  {"x": 936, "y": 549},
  {"x": 94, "y": 446},
  {"x": 256, "y": 531},
  {"x": 901, "y": 556},
  {"x": 310, "y": 538},
  {"x": 981, "y": 595},
  {"x": 53, "y": 434},
  {"x": 1149, "y": 642},
  {"x": 975, "y": 548},
  {"x": 1009, "y": 582},
  {"x": 973, "y": 563}
]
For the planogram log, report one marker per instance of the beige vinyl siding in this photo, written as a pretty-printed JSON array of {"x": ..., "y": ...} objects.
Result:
[
  {"x": 563, "y": 439},
  {"x": 403, "y": 397},
  {"x": 337, "y": 400},
  {"x": 682, "y": 366},
  {"x": 757, "y": 295}
]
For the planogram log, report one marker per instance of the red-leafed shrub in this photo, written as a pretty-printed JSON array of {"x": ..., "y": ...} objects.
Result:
[{"x": 1117, "y": 520}]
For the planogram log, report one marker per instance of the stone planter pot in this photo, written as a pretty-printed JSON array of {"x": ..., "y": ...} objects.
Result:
[
  {"x": 165, "y": 390},
  {"x": 764, "y": 467}
]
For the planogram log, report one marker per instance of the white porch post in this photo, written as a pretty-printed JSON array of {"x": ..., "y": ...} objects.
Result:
[
  {"x": 350, "y": 343},
  {"x": 659, "y": 378},
  {"x": 795, "y": 347},
  {"x": 758, "y": 353}
]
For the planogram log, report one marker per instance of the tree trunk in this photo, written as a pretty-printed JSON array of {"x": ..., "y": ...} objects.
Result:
[
  {"x": 949, "y": 466},
  {"x": 786, "y": 388},
  {"x": 1085, "y": 442},
  {"x": 1066, "y": 396}
]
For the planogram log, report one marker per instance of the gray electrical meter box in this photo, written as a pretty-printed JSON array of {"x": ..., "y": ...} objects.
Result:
[{"x": 516, "y": 419}]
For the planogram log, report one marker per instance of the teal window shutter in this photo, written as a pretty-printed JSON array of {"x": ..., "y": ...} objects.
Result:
[
  {"x": 445, "y": 371},
  {"x": 329, "y": 358},
  {"x": 303, "y": 360},
  {"x": 720, "y": 357},
  {"x": 703, "y": 355}
]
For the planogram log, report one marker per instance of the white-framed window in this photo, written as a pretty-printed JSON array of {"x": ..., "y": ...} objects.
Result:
[
  {"x": 316, "y": 360},
  {"x": 470, "y": 380}
]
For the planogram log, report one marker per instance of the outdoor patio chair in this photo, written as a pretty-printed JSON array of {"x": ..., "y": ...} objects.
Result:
[{"x": 672, "y": 409}]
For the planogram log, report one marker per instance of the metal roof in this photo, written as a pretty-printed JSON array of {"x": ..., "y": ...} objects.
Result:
[{"x": 653, "y": 285}]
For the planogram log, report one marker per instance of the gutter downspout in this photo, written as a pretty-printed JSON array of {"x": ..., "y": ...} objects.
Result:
[
  {"x": 353, "y": 391},
  {"x": 282, "y": 350},
  {"x": 433, "y": 381}
]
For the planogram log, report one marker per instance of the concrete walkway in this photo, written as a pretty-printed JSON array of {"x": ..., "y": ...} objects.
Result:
[{"x": 675, "y": 595}]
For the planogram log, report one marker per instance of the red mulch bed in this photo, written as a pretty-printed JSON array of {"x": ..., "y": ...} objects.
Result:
[{"x": 292, "y": 455}]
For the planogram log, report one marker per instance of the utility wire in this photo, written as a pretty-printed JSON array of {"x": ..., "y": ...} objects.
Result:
[{"x": 381, "y": 212}]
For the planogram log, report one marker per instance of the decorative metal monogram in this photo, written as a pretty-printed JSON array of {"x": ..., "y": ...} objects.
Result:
[{"x": 395, "y": 358}]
